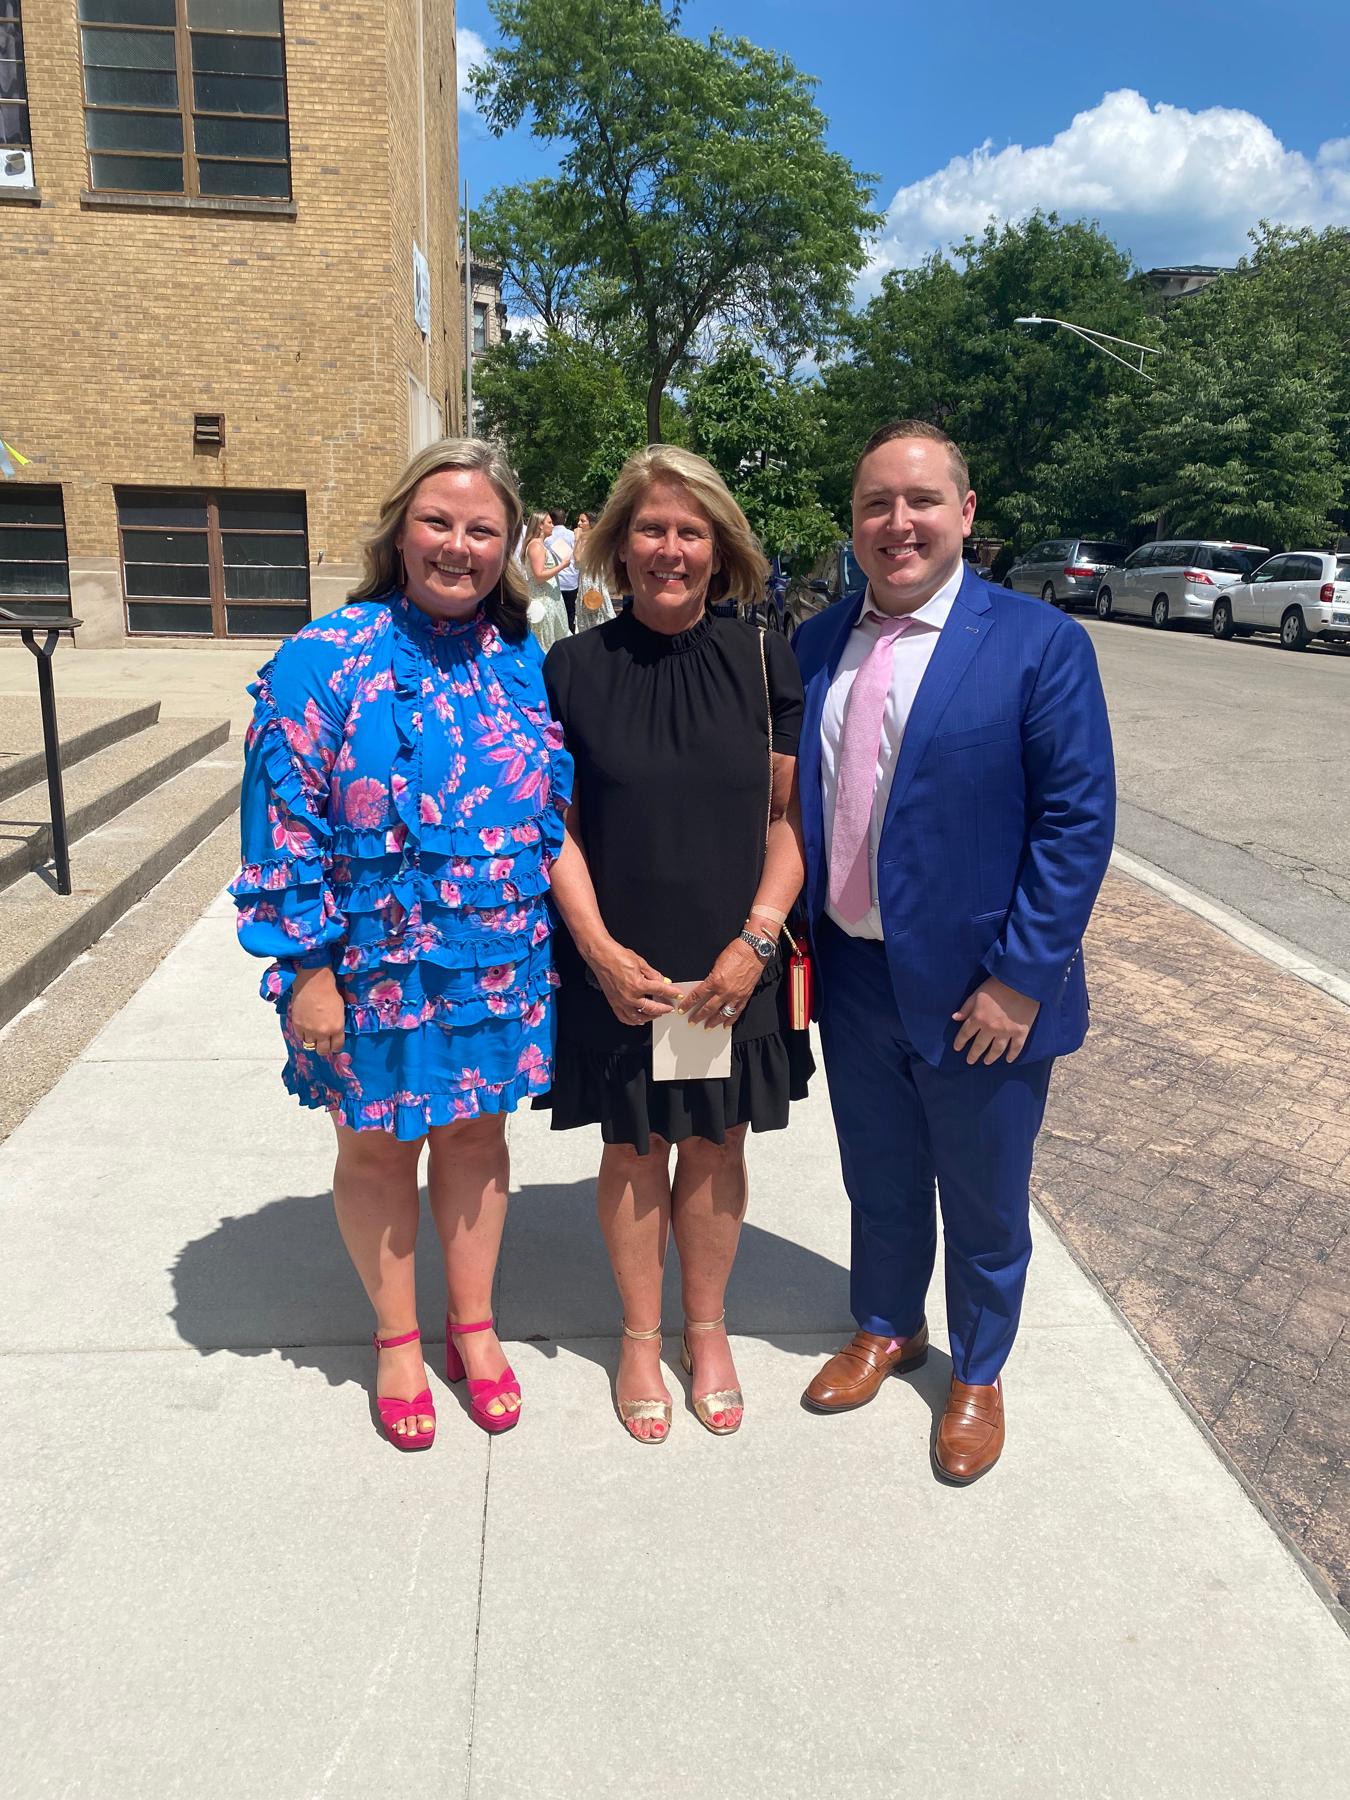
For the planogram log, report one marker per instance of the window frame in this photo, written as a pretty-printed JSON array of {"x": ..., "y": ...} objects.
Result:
[
  {"x": 48, "y": 604},
  {"x": 216, "y": 604},
  {"x": 21, "y": 99},
  {"x": 187, "y": 114}
]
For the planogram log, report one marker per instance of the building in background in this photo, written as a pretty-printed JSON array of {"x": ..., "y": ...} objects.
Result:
[
  {"x": 489, "y": 310},
  {"x": 231, "y": 299},
  {"x": 1181, "y": 283}
]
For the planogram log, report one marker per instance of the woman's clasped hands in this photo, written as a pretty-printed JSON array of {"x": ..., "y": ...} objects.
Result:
[{"x": 637, "y": 993}]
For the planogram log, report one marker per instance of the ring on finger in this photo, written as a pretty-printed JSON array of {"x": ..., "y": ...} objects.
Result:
[{"x": 729, "y": 1012}]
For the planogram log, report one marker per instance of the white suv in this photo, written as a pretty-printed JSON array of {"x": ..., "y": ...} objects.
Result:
[
  {"x": 1303, "y": 594},
  {"x": 1175, "y": 580}
]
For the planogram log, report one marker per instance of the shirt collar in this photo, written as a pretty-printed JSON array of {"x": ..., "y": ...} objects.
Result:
[{"x": 933, "y": 613}]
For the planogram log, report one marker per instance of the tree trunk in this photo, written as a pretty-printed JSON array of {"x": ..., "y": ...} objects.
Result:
[{"x": 654, "y": 392}]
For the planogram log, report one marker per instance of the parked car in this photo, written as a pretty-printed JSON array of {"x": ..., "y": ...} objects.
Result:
[
  {"x": 836, "y": 574},
  {"x": 1064, "y": 571},
  {"x": 1303, "y": 594},
  {"x": 1175, "y": 580}
]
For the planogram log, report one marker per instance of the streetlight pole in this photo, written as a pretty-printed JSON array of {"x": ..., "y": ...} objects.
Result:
[{"x": 1099, "y": 340}]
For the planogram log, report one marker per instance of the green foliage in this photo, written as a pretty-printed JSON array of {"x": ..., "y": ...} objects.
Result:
[
  {"x": 694, "y": 182},
  {"x": 939, "y": 343},
  {"x": 1239, "y": 437},
  {"x": 758, "y": 430},
  {"x": 565, "y": 413}
]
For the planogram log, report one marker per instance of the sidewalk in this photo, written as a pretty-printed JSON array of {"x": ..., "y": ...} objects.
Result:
[{"x": 219, "y": 1583}]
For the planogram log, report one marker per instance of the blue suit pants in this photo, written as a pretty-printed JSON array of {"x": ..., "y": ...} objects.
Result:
[{"x": 905, "y": 1129}]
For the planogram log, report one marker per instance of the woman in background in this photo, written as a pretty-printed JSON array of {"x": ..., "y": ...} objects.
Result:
[{"x": 547, "y": 610}]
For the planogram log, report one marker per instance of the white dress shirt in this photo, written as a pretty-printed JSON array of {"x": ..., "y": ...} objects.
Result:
[{"x": 913, "y": 648}]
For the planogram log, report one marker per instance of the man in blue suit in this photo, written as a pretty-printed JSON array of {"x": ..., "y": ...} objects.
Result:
[{"x": 958, "y": 797}]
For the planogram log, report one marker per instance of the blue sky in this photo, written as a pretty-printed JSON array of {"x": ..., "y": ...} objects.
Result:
[{"x": 1178, "y": 126}]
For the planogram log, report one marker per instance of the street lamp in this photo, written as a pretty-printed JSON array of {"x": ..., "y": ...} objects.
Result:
[{"x": 1099, "y": 340}]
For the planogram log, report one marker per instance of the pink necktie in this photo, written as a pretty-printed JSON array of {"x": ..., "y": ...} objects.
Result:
[{"x": 856, "y": 782}]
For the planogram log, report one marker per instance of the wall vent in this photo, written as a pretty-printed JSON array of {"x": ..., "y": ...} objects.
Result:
[{"x": 208, "y": 431}]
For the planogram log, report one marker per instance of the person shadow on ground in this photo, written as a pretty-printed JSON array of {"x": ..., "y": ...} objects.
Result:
[{"x": 275, "y": 1277}]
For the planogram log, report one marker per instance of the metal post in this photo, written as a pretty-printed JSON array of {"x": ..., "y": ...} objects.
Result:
[
  {"x": 468, "y": 322},
  {"x": 52, "y": 748}
]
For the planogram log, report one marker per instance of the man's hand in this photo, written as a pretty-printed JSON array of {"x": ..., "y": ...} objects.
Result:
[{"x": 994, "y": 1022}]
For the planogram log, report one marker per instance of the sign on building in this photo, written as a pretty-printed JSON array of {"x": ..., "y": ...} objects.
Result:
[{"x": 421, "y": 292}]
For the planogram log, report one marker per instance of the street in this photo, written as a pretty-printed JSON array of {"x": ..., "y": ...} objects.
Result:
[{"x": 1231, "y": 761}]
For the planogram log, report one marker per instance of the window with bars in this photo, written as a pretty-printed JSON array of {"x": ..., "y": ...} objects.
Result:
[
  {"x": 34, "y": 566},
  {"x": 186, "y": 97},
  {"x": 15, "y": 138},
  {"x": 207, "y": 564}
]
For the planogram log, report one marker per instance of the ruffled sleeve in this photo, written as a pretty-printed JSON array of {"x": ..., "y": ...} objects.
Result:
[{"x": 284, "y": 890}]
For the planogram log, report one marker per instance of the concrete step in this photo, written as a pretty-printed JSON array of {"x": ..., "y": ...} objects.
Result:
[
  {"x": 85, "y": 726},
  {"x": 97, "y": 788},
  {"x": 42, "y": 932}
]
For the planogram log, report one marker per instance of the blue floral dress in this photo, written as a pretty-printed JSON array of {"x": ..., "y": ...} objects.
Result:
[{"x": 403, "y": 801}]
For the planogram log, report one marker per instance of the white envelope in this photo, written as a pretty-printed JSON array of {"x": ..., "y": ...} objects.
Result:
[{"x": 685, "y": 1052}]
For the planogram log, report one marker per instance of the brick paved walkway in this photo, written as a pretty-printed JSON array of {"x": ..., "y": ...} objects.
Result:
[{"x": 1196, "y": 1157}]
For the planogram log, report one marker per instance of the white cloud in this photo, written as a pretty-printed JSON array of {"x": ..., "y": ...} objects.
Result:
[
  {"x": 1167, "y": 184},
  {"x": 470, "y": 50}
]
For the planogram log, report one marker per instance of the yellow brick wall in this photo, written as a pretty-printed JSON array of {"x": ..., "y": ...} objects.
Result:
[{"x": 118, "y": 324}]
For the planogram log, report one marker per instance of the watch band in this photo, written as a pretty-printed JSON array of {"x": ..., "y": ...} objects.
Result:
[{"x": 763, "y": 947}]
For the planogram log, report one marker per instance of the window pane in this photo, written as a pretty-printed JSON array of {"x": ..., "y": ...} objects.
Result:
[
  {"x": 137, "y": 174},
  {"x": 240, "y": 137},
  {"x": 35, "y": 543},
  {"x": 191, "y": 619},
  {"x": 126, "y": 12},
  {"x": 33, "y": 577},
  {"x": 165, "y": 546},
  {"x": 240, "y": 94},
  {"x": 264, "y": 621},
  {"x": 157, "y": 506},
  {"x": 14, "y": 126},
  {"x": 172, "y": 580},
  {"x": 11, "y": 66},
  {"x": 131, "y": 87},
  {"x": 261, "y": 180},
  {"x": 134, "y": 131},
  {"x": 129, "y": 49},
  {"x": 20, "y": 505},
  {"x": 261, "y": 550},
  {"x": 235, "y": 15},
  {"x": 262, "y": 512},
  {"x": 236, "y": 56},
  {"x": 252, "y": 583}
]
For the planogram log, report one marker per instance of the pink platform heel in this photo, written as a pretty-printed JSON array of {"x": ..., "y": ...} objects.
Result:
[
  {"x": 391, "y": 1410},
  {"x": 481, "y": 1393}
]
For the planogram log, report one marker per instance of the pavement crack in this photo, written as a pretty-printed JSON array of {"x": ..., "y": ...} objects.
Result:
[{"x": 477, "y": 1627}]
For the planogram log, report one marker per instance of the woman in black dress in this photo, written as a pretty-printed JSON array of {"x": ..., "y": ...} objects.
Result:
[{"x": 683, "y": 854}]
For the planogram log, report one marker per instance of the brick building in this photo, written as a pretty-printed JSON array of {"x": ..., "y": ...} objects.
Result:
[{"x": 229, "y": 299}]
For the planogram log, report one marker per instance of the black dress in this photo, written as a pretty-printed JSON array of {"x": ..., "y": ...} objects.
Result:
[{"x": 671, "y": 741}]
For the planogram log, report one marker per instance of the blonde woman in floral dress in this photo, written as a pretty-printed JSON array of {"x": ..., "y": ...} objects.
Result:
[{"x": 401, "y": 811}]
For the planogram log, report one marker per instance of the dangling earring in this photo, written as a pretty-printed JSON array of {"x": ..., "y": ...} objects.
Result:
[{"x": 402, "y": 572}]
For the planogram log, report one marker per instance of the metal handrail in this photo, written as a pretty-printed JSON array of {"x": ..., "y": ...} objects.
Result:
[{"x": 12, "y": 625}]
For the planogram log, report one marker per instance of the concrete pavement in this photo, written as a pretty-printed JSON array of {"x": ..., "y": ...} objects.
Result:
[{"x": 220, "y": 1582}]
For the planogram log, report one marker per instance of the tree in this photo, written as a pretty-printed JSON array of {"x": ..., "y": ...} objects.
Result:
[
  {"x": 565, "y": 412},
  {"x": 939, "y": 343},
  {"x": 1239, "y": 438},
  {"x": 695, "y": 189},
  {"x": 758, "y": 429}
]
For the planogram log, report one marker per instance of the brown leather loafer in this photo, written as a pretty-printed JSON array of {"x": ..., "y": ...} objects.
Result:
[
  {"x": 853, "y": 1376},
  {"x": 970, "y": 1437}
]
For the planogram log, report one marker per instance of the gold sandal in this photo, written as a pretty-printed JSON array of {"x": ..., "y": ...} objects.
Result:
[
  {"x": 632, "y": 1412},
  {"x": 724, "y": 1400}
]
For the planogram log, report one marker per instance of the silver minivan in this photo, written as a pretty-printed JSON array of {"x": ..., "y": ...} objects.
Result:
[
  {"x": 1065, "y": 571},
  {"x": 1175, "y": 580}
]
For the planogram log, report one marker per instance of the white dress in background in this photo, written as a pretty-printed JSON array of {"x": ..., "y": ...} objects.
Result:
[
  {"x": 547, "y": 613},
  {"x": 588, "y": 615}
]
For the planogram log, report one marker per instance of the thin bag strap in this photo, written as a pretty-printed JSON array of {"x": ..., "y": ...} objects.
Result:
[{"x": 768, "y": 715}]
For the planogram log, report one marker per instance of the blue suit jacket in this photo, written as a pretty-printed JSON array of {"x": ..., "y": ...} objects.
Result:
[{"x": 1001, "y": 815}]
